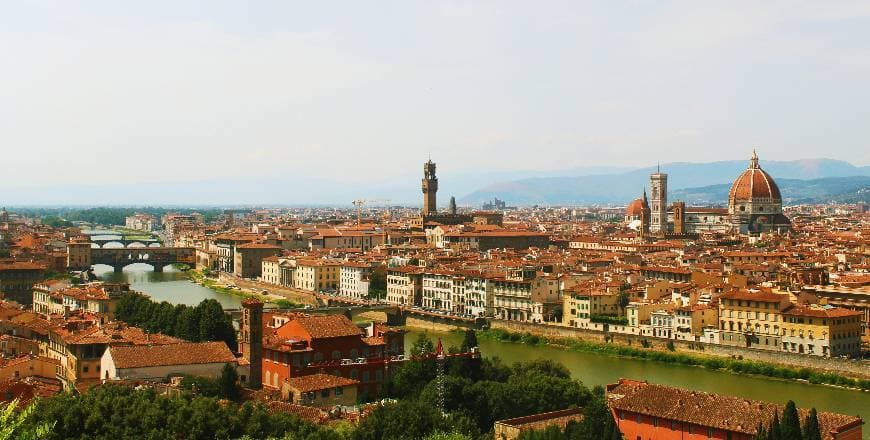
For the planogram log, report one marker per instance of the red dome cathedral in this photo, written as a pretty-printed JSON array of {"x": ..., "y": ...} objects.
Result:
[{"x": 754, "y": 202}]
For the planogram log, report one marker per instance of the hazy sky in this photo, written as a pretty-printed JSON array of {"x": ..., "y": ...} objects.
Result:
[{"x": 122, "y": 91}]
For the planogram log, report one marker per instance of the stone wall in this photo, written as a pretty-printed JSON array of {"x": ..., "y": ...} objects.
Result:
[
  {"x": 432, "y": 323},
  {"x": 850, "y": 367}
]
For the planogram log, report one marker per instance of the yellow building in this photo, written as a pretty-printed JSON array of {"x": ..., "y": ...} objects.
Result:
[
  {"x": 751, "y": 319},
  {"x": 821, "y": 331},
  {"x": 690, "y": 321},
  {"x": 581, "y": 304},
  {"x": 316, "y": 275}
]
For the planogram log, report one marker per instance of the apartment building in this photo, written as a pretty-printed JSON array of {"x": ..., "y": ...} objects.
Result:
[
  {"x": 354, "y": 279},
  {"x": 821, "y": 330},
  {"x": 404, "y": 285},
  {"x": 752, "y": 319}
]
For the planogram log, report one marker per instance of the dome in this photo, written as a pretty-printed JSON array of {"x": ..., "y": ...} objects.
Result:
[
  {"x": 634, "y": 208},
  {"x": 754, "y": 183}
]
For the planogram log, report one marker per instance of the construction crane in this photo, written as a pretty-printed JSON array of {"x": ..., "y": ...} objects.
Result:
[{"x": 359, "y": 203}]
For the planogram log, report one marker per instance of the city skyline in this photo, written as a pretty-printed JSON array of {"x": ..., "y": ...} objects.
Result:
[{"x": 330, "y": 90}]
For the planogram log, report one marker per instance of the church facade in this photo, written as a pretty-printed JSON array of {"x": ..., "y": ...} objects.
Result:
[{"x": 754, "y": 206}]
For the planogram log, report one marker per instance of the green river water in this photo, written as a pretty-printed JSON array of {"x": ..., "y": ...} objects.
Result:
[{"x": 591, "y": 369}]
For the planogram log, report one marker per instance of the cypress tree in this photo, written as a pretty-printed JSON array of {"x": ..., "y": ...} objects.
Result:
[
  {"x": 812, "y": 431},
  {"x": 761, "y": 434},
  {"x": 791, "y": 423},
  {"x": 775, "y": 432}
]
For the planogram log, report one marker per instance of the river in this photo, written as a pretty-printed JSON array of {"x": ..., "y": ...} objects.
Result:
[
  {"x": 596, "y": 369},
  {"x": 170, "y": 285},
  {"x": 592, "y": 369}
]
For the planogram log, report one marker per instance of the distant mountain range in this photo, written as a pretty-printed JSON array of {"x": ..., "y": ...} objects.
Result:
[
  {"x": 794, "y": 191},
  {"x": 699, "y": 183},
  {"x": 580, "y": 186}
]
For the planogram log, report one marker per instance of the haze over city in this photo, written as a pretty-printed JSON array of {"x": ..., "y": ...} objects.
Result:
[{"x": 100, "y": 92}]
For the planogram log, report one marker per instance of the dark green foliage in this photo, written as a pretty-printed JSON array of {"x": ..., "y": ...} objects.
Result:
[
  {"x": 118, "y": 412},
  {"x": 405, "y": 420},
  {"x": 287, "y": 304},
  {"x": 229, "y": 383},
  {"x": 422, "y": 345},
  {"x": 761, "y": 433},
  {"x": 224, "y": 387},
  {"x": 56, "y": 222},
  {"x": 205, "y": 322},
  {"x": 527, "y": 388},
  {"x": 469, "y": 340},
  {"x": 670, "y": 346},
  {"x": 607, "y": 319},
  {"x": 791, "y": 423},
  {"x": 811, "y": 429},
  {"x": 775, "y": 431},
  {"x": 597, "y": 424}
]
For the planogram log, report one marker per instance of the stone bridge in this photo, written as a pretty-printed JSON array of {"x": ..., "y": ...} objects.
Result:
[
  {"x": 157, "y": 257},
  {"x": 125, "y": 242}
]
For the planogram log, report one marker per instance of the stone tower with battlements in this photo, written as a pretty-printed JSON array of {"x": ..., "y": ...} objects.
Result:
[{"x": 430, "y": 188}]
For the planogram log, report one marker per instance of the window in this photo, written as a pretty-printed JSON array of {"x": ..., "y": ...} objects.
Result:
[
  {"x": 324, "y": 393},
  {"x": 339, "y": 391}
]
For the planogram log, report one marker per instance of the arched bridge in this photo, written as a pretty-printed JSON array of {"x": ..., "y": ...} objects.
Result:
[
  {"x": 153, "y": 242},
  {"x": 157, "y": 257},
  {"x": 101, "y": 238}
]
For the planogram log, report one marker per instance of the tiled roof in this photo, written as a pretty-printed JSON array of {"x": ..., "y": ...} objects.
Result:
[
  {"x": 833, "y": 312},
  {"x": 331, "y": 326},
  {"x": 140, "y": 356},
  {"x": 705, "y": 409},
  {"x": 317, "y": 382},
  {"x": 310, "y": 413}
]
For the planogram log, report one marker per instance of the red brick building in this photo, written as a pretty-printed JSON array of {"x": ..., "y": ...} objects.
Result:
[
  {"x": 296, "y": 344},
  {"x": 645, "y": 411}
]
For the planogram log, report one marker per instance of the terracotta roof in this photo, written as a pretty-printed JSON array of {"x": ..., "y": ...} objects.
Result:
[
  {"x": 317, "y": 382},
  {"x": 310, "y": 413},
  {"x": 710, "y": 410},
  {"x": 832, "y": 312},
  {"x": 754, "y": 296},
  {"x": 331, "y": 326},
  {"x": 258, "y": 246},
  {"x": 754, "y": 183},
  {"x": 140, "y": 356},
  {"x": 634, "y": 208}
]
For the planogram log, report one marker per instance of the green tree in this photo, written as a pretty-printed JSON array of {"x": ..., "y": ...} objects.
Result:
[
  {"x": 761, "y": 433},
  {"x": 791, "y": 423},
  {"x": 422, "y": 345},
  {"x": 597, "y": 421},
  {"x": 811, "y": 430},
  {"x": 775, "y": 431},
  {"x": 448, "y": 436},
  {"x": 404, "y": 420},
  {"x": 15, "y": 424},
  {"x": 229, "y": 383},
  {"x": 469, "y": 341}
]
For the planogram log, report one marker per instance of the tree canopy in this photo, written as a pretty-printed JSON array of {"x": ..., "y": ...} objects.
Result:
[{"x": 205, "y": 322}]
